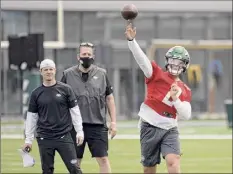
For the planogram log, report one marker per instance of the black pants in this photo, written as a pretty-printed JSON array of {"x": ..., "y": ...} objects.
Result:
[
  {"x": 65, "y": 147},
  {"x": 96, "y": 136}
]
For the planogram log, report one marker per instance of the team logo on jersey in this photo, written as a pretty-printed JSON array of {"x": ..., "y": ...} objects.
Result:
[
  {"x": 58, "y": 95},
  {"x": 95, "y": 77},
  {"x": 74, "y": 161}
]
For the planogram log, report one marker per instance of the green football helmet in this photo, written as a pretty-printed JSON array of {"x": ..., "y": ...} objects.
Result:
[{"x": 177, "y": 60}]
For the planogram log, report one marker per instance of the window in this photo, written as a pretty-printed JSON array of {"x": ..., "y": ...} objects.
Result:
[
  {"x": 93, "y": 27},
  {"x": 65, "y": 58},
  {"x": 121, "y": 58},
  {"x": 145, "y": 28},
  {"x": 45, "y": 22},
  {"x": 13, "y": 22},
  {"x": 193, "y": 28},
  {"x": 72, "y": 26},
  {"x": 220, "y": 27},
  {"x": 168, "y": 28}
]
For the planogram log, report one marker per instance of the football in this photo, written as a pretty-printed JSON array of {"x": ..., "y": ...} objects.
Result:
[{"x": 129, "y": 12}]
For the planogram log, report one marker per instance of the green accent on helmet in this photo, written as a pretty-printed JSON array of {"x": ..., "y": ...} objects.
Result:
[{"x": 178, "y": 52}]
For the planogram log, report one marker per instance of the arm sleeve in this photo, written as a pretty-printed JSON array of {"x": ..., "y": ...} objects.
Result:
[
  {"x": 30, "y": 126},
  {"x": 183, "y": 109},
  {"x": 141, "y": 59},
  {"x": 72, "y": 101},
  {"x": 75, "y": 112},
  {"x": 109, "y": 88},
  {"x": 77, "y": 120}
]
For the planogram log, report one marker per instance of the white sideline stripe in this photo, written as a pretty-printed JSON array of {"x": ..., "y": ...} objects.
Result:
[
  {"x": 184, "y": 137},
  {"x": 133, "y": 136},
  {"x": 216, "y": 137},
  {"x": 208, "y": 159}
]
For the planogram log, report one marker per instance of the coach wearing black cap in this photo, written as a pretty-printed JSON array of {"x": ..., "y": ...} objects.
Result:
[
  {"x": 53, "y": 110},
  {"x": 94, "y": 95}
]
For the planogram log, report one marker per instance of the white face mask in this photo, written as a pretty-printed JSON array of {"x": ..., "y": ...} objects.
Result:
[{"x": 175, "y": 66}]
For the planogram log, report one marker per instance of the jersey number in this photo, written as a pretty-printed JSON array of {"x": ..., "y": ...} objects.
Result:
[{"x": 167, "y": 97}]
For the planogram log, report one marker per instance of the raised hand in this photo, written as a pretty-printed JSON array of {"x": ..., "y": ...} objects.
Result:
[{"x": 130, "y": 32}]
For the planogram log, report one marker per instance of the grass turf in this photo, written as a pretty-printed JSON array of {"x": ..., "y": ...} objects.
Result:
[
  {"x": 130, "y": 127},
  {"x": 201, "y": 130},
  {"x": 186, "y": 130},
  {"x": 199, "y": 156}
]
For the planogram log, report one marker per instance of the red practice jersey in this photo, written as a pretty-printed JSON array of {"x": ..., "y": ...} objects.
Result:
[{"x": 158, "y": 95}]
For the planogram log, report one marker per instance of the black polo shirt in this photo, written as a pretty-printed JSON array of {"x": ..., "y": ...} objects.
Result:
[{"x": 52, "y": 105}]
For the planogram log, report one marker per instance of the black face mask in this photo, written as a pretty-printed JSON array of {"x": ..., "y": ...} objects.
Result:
[{"x": 86, "y": 62}]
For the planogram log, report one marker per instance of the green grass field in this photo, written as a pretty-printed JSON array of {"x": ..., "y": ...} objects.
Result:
[
  {"x": 124, "y": 129},
  {"x": 199, "y": 156}
]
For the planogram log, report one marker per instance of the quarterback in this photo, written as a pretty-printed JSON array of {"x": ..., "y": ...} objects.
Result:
[{"x": 167, "y": 99}]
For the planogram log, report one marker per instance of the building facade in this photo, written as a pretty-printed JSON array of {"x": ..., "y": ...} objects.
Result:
[{"x": 102, "y": 24}]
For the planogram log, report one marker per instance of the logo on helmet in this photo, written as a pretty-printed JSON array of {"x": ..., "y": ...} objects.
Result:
[{"x": 177, "y": 60}]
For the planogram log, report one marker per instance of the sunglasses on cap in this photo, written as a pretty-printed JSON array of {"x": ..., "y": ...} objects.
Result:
[{"x": 86, "y": 44}]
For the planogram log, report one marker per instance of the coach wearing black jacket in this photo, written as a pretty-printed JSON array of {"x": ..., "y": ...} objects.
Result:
[{"x": 53, "y": 110}]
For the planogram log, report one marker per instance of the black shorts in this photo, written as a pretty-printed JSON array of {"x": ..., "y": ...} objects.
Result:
[
  {"x": 96, "y": 137},
  {"x": 155, "y": 142}
]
